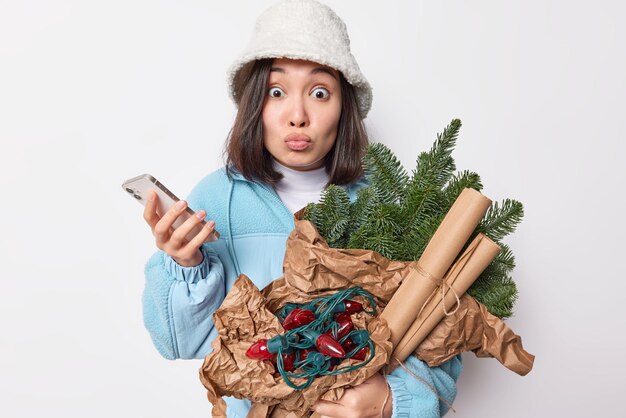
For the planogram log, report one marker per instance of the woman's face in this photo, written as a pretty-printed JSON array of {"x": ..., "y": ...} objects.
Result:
[{"x": 301, "y": 113}]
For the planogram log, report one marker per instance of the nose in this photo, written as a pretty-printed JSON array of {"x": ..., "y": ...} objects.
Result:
[{"x": 298, "y": 116}]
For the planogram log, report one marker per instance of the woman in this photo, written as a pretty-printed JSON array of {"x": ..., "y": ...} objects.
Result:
[{"x": 301, "y": 102}]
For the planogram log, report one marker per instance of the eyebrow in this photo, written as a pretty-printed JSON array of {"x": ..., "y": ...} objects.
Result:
[{"x": 316, "y": 70}]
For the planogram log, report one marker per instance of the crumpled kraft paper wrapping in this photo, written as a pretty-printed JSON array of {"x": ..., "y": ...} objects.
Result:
[
  {"x": 311, "y": 269},
  {"x": 473, "y": 328},
  {"x": 242, "y": 319}
]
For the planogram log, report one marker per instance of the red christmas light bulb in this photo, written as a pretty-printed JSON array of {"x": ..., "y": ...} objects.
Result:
[
  {"x": 329, "y": 346},
  {"x": 348, "y": 306},
  {"x": 325, "y": 344},
  {"x": 352, "y": 306},
  {"x": 288, "y": 361},
  {"x": 361, "y": 354},
  {"x": 297, "y": 318},
  {"x": 348, "y": 345},
  {"x": 345, "y": 325},
  {"x": 264, "y": 349},
  {"x": 259, "y": 351},
  {"x": 304, "y": 353}
]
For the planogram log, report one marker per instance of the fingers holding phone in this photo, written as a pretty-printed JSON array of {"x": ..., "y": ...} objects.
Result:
[
  {"x": 192, "y": 233},
  {"x": 162, "y": 227},
  {"x": 177, "y": 229},
  {"x": 183, "y": 242}
]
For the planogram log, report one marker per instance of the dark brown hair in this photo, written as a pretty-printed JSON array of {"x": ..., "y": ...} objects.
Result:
[{"x": 245, "y": 150}]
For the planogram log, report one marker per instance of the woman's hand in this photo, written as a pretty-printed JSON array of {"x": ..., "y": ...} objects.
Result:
[
  {"x": 172, "y": 241},
  {"x": 363, "y": 401}
]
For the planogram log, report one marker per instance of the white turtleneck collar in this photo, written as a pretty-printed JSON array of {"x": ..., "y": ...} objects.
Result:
[{"x": 297, "y": 188}]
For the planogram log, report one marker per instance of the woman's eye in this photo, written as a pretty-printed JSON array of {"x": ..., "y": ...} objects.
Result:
[
  {"x": 320, "y": 93},
  {"x": 276, "y": 92}
]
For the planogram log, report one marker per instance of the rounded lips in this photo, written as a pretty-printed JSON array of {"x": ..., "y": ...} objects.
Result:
[{"x": 297, "y": 137}]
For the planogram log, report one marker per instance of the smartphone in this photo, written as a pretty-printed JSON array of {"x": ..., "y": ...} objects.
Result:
[{"x": 139, "y": 187}]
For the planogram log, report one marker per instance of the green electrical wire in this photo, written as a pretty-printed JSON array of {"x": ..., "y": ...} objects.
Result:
[{"x": 316, "y": 364}]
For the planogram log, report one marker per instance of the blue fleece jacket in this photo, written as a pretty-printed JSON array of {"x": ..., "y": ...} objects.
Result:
[{"x": 254, "y": 225}]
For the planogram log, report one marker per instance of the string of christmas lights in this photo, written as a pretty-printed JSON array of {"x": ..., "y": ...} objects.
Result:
[{"x": 319, "y": 335}]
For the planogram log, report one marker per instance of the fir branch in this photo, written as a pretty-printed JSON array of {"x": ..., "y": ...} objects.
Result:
[
  {"x": 458, "y": 182},
  {"x": 361, "y": 208},
  {"x": 382, "y": 244},
  {"x": 500, "y": 267},
  {"x": 504, "y": 261},
  {"x": 437, "y": 164},
  {"x": 497, "y": 296},
  {"x": 332, "y": 215},
  {"x": 434, "y": 169},
  {"x": 358, "y": 238},
  {"x": 397, "y": 216},
  {"x": 422, "y": 202},
  {"x": 336, "y": 235},
  {"x": 415, "y": 240},
  {"x": 380, "y": 232},
  {"x": 385, "y": 173},
  {"x": 313, "y": 213},
  {"x": 501, "y": 219}
]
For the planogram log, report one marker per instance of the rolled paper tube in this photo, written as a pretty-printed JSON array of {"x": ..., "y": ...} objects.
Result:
[
  {"x": 426, "y": 275},
  {"x": 460, "y": 277}
]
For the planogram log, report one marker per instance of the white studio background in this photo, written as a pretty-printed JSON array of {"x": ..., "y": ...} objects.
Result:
[{"x": 95, "y": 92}]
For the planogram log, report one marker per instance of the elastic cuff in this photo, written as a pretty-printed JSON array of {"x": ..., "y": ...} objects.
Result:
[
  {"x": 188, "y": 274},
  {"x": 401, "y": 397}
]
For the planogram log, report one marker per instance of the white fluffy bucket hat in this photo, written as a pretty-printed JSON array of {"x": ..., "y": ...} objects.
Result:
[{"x": 301, "y": 29}]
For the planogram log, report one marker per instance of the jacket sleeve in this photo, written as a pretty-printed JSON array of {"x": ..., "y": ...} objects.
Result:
[
  {"x": 412, "y": 398},
  {"x": 178, "y": 304}
]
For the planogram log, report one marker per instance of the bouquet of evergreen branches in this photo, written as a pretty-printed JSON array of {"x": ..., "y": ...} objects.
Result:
[{"x": 397, "y": 214}]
